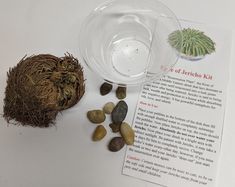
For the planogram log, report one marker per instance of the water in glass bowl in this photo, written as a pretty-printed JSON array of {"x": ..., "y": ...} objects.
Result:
[{"x": 126, "y": 42}]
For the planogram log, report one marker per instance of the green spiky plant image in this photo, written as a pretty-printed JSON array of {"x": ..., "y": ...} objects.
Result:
[{"x": 191, "y": 43}]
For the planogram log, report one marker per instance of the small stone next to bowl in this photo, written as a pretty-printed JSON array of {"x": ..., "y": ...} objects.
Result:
[
  {"x": 105, "y": 88},
  {"x": 121, "y": 92}
]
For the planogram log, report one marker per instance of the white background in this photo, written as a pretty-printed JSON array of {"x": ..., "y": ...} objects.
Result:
[{"x": 65, "y": 155}]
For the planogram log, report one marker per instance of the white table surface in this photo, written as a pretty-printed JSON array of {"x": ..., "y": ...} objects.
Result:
[{"x": 65, "y": 155}]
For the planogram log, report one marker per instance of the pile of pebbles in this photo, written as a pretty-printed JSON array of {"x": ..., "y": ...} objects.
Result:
[{"x": 118, "y": 114}]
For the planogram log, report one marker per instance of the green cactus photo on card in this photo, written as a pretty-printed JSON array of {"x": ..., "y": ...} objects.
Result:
[{"x": 191, "y": 43}]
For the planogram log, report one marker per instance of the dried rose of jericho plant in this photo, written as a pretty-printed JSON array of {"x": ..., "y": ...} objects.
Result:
[{"x": 40, "y": 86}]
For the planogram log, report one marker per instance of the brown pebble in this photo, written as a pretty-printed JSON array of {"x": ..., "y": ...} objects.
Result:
[
  {"x": 116, "y": 144},
  {"x": 99, "y": 133},
  {"x": 121, "y": 92},
  {"x": 96, "y": 116},
  {"x": 127, "y": 133},
  {"x": 115, "y": 127},
  {"x": 105, "y": 88},
  {"x": 108, "y": 107}
]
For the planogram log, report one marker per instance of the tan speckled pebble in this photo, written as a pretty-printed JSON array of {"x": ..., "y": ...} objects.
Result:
[
  {"x": 127, "y": 133},
  {"x": 96, "y": 116},
  {"x": 108, "y": 107}
]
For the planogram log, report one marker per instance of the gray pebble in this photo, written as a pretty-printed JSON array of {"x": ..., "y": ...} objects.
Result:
[{"x": 119, "y": 112}]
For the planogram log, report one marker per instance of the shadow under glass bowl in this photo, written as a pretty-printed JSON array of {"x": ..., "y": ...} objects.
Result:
[{"x": 125, "y": 42}]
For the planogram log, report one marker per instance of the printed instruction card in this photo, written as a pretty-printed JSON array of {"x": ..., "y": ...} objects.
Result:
[{"x": 179, "y": 119}]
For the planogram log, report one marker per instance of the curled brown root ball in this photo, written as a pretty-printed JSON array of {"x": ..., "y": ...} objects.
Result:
[{"x": 40, "y": 86}]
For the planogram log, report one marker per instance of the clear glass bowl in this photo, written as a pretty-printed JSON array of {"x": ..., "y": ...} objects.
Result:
[{"x": 125, "y": 42}]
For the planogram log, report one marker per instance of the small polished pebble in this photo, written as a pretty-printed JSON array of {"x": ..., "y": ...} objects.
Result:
[
  {"x": 105, "y": 88},
  {"x": 99, "y": 133},
  {"x": 119, "y": 112},
  {"x": 116, "y": 144},
  {"x": 96, "y": 116},
  {"x": 121, "y": 92},
  {"x": 115, "y": 127},
  {"x": 108, "y": 107},
  {"x": 127, "y": 133}
]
